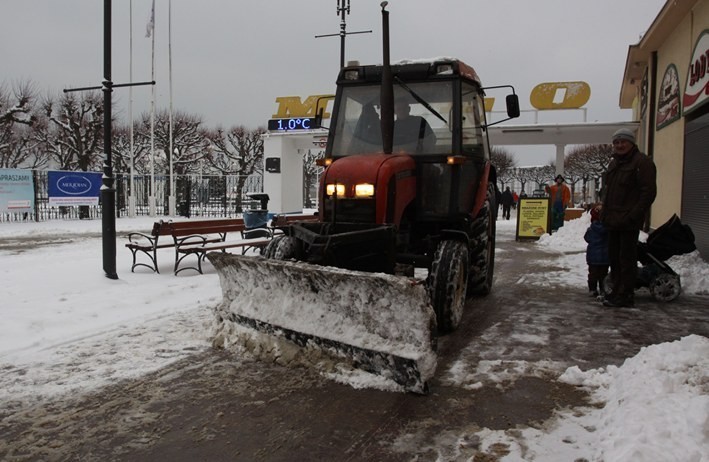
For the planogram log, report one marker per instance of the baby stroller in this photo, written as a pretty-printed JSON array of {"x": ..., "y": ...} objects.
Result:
[{"x": 670, "y": 239}]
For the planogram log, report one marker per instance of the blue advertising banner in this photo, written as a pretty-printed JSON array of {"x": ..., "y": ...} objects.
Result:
[
  {"x": 16, "y": 190},
  {"x": 73, "y": 188}
]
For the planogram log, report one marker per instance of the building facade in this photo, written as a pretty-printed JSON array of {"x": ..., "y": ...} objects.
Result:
[{"x": 666, "y": 84}]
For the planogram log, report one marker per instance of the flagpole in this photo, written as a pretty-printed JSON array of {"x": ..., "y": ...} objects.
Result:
[
  {"x": 131, "y": 197},
  {"x": 169, "y": 55},
  {"x": 151, "y": 200}
]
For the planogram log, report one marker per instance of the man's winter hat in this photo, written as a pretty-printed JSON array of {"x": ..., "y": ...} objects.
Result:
[
  {"x": 559, "y": 177},
  {"x": 624, "y": 134}
]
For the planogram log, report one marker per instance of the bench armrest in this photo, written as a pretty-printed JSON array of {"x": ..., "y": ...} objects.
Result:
[{"x": 141, "y": 238}]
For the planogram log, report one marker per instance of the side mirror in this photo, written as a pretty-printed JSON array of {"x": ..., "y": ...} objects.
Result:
[
  {"x": 317, "y": 120},
  {"x": 512, "y": 102}
]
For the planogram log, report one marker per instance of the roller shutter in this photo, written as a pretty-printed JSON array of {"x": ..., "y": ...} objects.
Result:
[{"x": 695, "y": 190}]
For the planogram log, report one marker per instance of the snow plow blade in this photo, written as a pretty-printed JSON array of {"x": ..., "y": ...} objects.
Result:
[{"x": 379, "y": 323}]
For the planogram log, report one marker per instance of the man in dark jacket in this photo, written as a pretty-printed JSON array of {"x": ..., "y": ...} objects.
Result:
[
  {"x": 507, "y": 200},
  {"x": 629, "y": 189}
]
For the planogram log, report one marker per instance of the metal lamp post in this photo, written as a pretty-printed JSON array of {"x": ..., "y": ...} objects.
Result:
[{"x": 108, "y": 193}]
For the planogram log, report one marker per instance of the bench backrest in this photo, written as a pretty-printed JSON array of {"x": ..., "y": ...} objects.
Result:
[
  {"x": 186, "y": 228},
  {"x": 285, "y": 220}
]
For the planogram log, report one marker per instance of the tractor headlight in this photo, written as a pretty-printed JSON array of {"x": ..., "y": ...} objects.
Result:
[
  {"x": 364, "y": 190},
  {"x": 331, "y": 188}
]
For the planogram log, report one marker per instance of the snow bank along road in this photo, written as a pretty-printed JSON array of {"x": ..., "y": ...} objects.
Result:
[{"x": 497, "y": 375}]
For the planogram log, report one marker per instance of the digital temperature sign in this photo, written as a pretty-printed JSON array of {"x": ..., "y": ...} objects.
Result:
[{"x": 295, "y": 123}]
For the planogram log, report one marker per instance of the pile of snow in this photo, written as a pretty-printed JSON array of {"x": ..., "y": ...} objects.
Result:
[
  {"x": 654, "y": 407},
  {"x": 656, "y": 403}
]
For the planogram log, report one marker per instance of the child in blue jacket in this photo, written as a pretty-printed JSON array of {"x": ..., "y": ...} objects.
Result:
[{"x": 596, "y": 253}]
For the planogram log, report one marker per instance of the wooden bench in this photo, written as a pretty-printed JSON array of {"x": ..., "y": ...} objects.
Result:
[
  {"x": 193, "y": 237},
  {"x": 202, "y": 236},
  {"x": 148, "y": 244}
]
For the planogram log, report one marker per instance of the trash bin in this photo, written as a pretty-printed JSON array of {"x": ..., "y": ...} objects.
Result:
[{"x": 256, "y": 220}]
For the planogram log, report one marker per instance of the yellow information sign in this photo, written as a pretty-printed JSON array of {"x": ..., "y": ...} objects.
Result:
[{"x": 533, "y": 217}]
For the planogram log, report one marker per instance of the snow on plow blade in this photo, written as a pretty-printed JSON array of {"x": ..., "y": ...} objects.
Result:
[{"x": 380, "y": 323}]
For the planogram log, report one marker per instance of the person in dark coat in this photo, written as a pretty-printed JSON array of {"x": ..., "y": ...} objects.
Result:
[
  {"x": 596, "y": 254},
  {"x": 629, "y": 189},
  {"x": 507, "y": 200}
]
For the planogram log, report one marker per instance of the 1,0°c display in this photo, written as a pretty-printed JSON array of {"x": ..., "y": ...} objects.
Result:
[{"x": 299, "y": 123}]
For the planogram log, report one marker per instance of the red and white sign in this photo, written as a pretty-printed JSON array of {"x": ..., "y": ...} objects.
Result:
[{"x": 696, "y": 92}]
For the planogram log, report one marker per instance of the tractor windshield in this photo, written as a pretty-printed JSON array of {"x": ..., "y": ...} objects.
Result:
[{"x": 422, "y": 122}]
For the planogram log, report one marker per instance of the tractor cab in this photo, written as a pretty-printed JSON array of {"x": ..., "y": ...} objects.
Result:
[
  {"x": 438, "y": 109},
  {"x": 438, "y": 123}
]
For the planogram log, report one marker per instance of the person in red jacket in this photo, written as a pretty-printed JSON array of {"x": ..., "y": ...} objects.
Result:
[{"x": 560, "y": 198}]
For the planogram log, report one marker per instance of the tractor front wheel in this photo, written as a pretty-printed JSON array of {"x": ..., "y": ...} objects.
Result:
[
  {"x": 448, "y": 283},
  {"x": 281, "y": 248}
]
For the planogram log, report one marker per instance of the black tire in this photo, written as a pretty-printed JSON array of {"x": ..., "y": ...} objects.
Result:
[
  {"x": 482, "y": 247},
  {"x": 448, "y": 281},
  {"x": 665, "y": 287},
  {"x": 281, "y": 248}
]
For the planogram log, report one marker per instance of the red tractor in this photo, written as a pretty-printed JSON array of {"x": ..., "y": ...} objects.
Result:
[
  {"x": 408, "y": 184},
  {"x": 412, "y": 191}
]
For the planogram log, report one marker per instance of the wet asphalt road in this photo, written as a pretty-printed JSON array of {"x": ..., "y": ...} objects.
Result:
[{"x": 216, "y": 407}]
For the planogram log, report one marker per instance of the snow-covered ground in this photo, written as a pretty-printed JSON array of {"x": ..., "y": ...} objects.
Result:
[{"x": 68, "y": 329}]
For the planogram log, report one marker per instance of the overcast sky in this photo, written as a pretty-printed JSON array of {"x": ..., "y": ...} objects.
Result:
[{"x": 231, "y": 59}]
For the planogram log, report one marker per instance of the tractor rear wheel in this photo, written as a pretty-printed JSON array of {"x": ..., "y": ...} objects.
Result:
[
  {"x": 482, "y": 247},
  {"x": 448, "y": 281}
]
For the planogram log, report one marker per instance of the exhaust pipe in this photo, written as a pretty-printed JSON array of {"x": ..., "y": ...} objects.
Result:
[{"x": 387, "y": 90}]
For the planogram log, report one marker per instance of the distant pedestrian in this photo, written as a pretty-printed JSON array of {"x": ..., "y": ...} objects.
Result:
[
  {"x": 629, "y": 189},
  {"x": 507, "y": 200},
  {"x": 515, "y": 199},
  {"x": 596, "y": 254},
  {"x": 523, "y": 195},
  {"x": 560, "y": 199}
]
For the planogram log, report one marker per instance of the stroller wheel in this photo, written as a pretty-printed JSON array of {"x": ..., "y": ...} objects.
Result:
[
  {"x": 608, "y": 284},
  {"x": 665, "y": 287}
]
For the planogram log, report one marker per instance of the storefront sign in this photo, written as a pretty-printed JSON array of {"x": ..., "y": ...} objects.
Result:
[
  {"x": 73, "y": 188},
  {"x": 549, "y": 95},
  {"x": 560, "y": 95},
  {"x": 533, "y": 217},
  {"x": 16, "y": 190},
  {"x": 696, "y": 91},
  {"x": 668, "y": 105},
  {"x": 293, "y": 107}
]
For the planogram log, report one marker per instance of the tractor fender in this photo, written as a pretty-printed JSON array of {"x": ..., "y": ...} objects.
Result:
[
  {"x": 489, "y": 175},
  {"x": 455, "y": 235}
]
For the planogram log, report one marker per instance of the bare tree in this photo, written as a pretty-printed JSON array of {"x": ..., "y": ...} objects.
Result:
[
  {"x": 311, "y": 173},
  {"x": 121, "y": 151},
  {"x": 587, "y": 163},
  {"x": 540, "y": 176},
  {"x": 190, "y": 142},
  {"x": 504, "y": 163},
  {"x": 238, "y": 151},
  {"x": 17, "y": 116},
  {"x": 523, "y": 176},
  {"x": 72, "y": 130}
]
